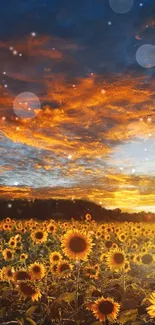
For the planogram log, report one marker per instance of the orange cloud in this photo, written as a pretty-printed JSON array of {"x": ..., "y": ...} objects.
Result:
[{"x": 85, "y": 122}]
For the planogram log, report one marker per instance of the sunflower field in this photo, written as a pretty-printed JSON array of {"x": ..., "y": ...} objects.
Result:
[{"x": 77, "y": 272}]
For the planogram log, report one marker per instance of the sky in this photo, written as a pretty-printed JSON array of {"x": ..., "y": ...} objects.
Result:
[{"x": 77, "y": 101}]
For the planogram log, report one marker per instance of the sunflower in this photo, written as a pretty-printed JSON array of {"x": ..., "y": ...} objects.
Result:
[
  {"x": 7, "y": 273},
  {"x": 23, "y": 257},
  {"x": 12, "y": 242},
  {"x": 116, "y": 260},
  {"x": 18, "y": 237},
  {"x": 37, "y": 271},
  {"x": 76, "y": 245},
  {"x": 97, "y": 267},
  {"x": 98, "y": 234},
  {"x": 103, "y": 257},
  {"x": 51, "y": 228},
  {"x": 137, "y": 259},
  {"x": 108, "y": 229},
  {"x": 114, "y": 246},
  {"x": 105, "y": 308},
  {"x": 122, "y": 237},
  {"x": 152, "y": 298},
  {"x": 21, "y": 275},
  {"x": 8, "y": 220},
  {"x": 53, "y": 269},
  {"x": 134, "y": 246},
  {"x": 88, "y": 217},
  {"x": 127, "y": 267},
  {"x": 108, "y": 244},
  {"x": 151, "y": 309},
  {"x": 27, "y": 289},
  {"x": 91, "y": 272},
  {"x": 55, "y": 257},
  {"x": 6, "y": 227},
  {"x": 64, "y": 269},
  {"x": 107, "y": 237},
  {"x": 147, "y": 259},
  {"x": 39, "y": 236},
  {"x": 7, "y": 254},
  {"x": 18, "y": 250},
  {"x": 132, "y": 257}
]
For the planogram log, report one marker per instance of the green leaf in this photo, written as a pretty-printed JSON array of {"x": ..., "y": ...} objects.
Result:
[
  {"x": 29, "y": 321},
  {"x": 1, "y": 312},
  {"x": 31, "y": 310},
  {"x": 128, "y": 316},
  {"x": 20, "y": 321},
  {"x": 134, "y": 286},
  {"x": 6, "y": 292},
  {"x": 67, "y": 297}
]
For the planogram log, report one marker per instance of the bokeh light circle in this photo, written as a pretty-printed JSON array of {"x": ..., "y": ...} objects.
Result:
[
  {"x": 145, "y": 56},
  {"x": 26, "y": 105},
  {"x": 121, "y": 6}
]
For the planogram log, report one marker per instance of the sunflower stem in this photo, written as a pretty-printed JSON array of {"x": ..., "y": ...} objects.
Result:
[
  {"x": 124, "y": 285},
  {"x": 77, "y": 291}
]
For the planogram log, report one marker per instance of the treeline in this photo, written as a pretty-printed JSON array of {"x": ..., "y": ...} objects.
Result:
[{"x": 66, "y": 209}]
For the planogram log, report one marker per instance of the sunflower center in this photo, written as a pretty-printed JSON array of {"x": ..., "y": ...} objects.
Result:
[
  {"x": 55, "y": 258},
  {"x": 36, "y": 269},
  {"x": 54, "y": 268},
  {"x": 12, "y": 243},
  {"x": 106, "y": 307},
  {"x": 39, "y": 235},
  {"x": 108, "y": 243},
  {"x": 77, "y": 244},
  {"x": 119, "y": 258},
  {"x": 147, "y": 259},
  {"x": 22, "y": 275},
  {"x": 27, "y": 289},
  {"x": 9, "y": 254},
  {"x": 10, "y": 273},
  {"x": 64, "y": 267}
]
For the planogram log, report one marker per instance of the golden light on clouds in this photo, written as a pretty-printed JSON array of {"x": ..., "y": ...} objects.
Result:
[{"x": 73, "y": 145}]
